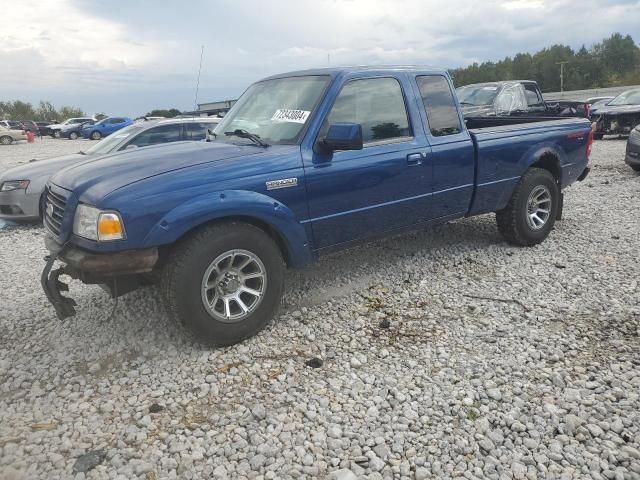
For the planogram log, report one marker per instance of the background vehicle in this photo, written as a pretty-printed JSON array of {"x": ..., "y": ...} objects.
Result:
[
  {"x": 595, "y": 106},
  {"x": 23, "y": 203},
  {"x": 514, "y": 97},
  {"x": 30, "y": 126},
  {"x": 104, "y": 127},
  {"x": 632, "y": 157},
  {"x": 11, "y": 124},
  {"x": 8, "y": 136},
  {"x": 619, "y": 116},
  {"x": 44, "y": 128},
  {"x": 303, "y": 164},
  {"x": 74, "y": 130},
  {"x": 56, "y": 127}
]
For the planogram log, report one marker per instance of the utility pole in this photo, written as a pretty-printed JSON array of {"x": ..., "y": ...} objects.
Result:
[{"x": 561, "y": 74}]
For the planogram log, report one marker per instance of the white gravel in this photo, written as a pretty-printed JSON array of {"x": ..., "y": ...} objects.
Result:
[{"x": 538, "y": 379}]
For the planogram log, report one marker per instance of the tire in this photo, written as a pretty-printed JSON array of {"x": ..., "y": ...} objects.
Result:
[
  {"x": 635, "y": 167},
  {"x": 56, "y": 134},
  {"x": 191, "y": 261},
  {"x": 6, "y": 140},
  {"x": 96, "y": 135},
  {"x": 598, "y": 136},
  {"x": 536, "y": 192},
  {"x": 73, "y": 136}
]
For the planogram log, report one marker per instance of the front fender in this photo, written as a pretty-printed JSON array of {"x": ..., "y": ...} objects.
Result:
[{"x": 234, "y": 203}]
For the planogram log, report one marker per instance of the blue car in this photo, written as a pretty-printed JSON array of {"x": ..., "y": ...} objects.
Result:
[{"x": 105, "y": 127}]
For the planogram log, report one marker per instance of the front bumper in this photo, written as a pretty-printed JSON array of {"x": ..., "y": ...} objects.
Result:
[
  {"x": 117, "y": 272},
  {"x": 20, "y": 205}
]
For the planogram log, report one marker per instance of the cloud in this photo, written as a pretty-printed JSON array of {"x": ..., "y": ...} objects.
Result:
[{"x": 140, "y": 55}]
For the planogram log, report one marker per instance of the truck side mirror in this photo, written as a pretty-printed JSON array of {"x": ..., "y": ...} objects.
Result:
[{"x": 342, "y": 136}]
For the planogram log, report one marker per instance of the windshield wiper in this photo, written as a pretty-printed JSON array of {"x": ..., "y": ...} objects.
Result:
[
  {"x": 468, "y": 103},
  {"x": 81, "y": 152},
  {"x": 251, "y": 136}
]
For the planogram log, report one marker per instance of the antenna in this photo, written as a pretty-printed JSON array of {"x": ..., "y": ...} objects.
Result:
[{"x": 195, "y": 100}]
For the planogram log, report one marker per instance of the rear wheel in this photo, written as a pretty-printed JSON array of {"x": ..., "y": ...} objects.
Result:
[
  {"x": 532, "y": 210},
  {"x": 225, "y": 282},
  {"x": 96, "y": 135},
  {"x": 6, "y": 140}
]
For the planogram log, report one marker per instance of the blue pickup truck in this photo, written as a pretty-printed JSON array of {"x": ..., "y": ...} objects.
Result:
[{"x": 305, "y": 163}]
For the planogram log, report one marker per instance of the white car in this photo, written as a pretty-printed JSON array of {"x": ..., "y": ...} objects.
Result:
[{"x": 57, "y": 127}]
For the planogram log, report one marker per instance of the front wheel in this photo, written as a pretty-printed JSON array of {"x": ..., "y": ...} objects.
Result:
[
  {"x": 6, "y": 140},
  {"x": 225, "y": 282},
  {"x": 635, "y": 167},
  {"x": 73, "y": 136},
  {"x": 532, "y": 210},
  {"x": 96, "y": 135}
]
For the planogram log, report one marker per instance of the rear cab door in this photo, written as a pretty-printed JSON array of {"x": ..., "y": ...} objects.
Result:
[
  {"x": 357, "y": 194},
  {"x": 452, "y": 156}
]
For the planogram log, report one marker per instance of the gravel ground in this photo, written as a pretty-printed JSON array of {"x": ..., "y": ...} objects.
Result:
[{"x": 442, "y": 353}]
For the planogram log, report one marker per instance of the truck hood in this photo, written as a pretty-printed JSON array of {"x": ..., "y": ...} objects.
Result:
[
  {"x": 617, "y": 109},
  {"x": 98, "y": 177},
  {"x": 37, "y": 168}
]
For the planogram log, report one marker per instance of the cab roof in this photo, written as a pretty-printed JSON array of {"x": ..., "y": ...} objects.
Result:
[{"x": 336, "y": 71}]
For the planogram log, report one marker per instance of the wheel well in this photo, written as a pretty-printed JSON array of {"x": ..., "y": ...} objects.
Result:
[
  {"x": 551, "y": 163},
  {"x": 265, "y": 227}
]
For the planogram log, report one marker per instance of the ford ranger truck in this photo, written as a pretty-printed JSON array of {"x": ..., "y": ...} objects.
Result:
[{"x": 305, "y": 163}]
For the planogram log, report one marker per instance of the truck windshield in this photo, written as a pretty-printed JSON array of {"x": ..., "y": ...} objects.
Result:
[
  {"x": 275, "y": 110},
  {"x": 631, "y": 97},
  {"x": 477, "y": 94}
]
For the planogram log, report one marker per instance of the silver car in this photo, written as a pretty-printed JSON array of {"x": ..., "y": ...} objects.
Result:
[{"x": 21, "y": 187}]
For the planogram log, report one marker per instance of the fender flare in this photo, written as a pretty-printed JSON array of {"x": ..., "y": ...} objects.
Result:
[
  {"x": 234, "y": 204},
  {"x": 538, "y": 152}
]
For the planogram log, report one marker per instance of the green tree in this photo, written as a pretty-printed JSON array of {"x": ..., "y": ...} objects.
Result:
[{"x": 168, "y": 113}]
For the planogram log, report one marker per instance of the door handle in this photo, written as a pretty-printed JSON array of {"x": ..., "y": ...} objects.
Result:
[{"x": 414, "y": 158}]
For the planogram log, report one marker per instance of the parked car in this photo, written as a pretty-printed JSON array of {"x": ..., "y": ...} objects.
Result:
[
  {"x": 514, "y": 98},
  {"x": 30, "y": 126},
  {"x": 303, "y": 164},
  {"x": 73, "y": 131},
  {"x": 44, "y": 128},
  {"x": 8, "y": 136},
  {"x": 57, "y": 127},
  {"x": 632, "y": 157},
  {"x": 11, "y": 124},
  {"x": 105, "y": 127},
  {"x": 21, "y": 199},
  {"x": 593, "y": 100},
  {"x": 595, "y": 106},
  {"x": 619, "y": 116}
]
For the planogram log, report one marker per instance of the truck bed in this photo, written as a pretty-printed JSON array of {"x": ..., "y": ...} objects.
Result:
[{"x": 506, "y": 146}]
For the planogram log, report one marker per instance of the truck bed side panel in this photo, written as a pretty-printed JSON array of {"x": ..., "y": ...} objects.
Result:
[{"x": 505, "y": 153}]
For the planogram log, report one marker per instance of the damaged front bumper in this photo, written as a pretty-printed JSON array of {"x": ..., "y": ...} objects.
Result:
[
  {"x": 621, "y": 124},
  {"x": 118, "y": 273}
]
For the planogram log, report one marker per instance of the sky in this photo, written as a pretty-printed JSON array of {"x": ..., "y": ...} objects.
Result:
[{"x": 126, "y": 57}]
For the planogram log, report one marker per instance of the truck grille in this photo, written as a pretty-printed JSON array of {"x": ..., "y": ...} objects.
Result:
[{"x": 54, "y": 211}]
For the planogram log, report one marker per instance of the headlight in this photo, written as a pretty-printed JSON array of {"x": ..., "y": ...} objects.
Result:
[
  {"x": 95, "y": 224},
  {"x": 14, "y": 185}
]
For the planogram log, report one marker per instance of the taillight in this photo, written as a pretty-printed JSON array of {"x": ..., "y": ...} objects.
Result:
[{"x": 589, "y": 142}]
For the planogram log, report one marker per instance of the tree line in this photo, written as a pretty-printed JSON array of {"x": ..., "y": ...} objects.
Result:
[
  {"x": 18, "y": 110},
  {"x": 612, "y": 62}
]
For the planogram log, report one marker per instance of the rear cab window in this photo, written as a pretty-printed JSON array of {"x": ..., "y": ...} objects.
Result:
[{"x": 440, "y": 105}]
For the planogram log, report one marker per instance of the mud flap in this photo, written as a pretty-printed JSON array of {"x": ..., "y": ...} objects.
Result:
[
  {"x": 560, "y": 206},
  {"x": 53, "y": 288}
]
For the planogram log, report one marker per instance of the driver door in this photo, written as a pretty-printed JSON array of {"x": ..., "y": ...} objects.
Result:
[{"x": 360, "y": 193}]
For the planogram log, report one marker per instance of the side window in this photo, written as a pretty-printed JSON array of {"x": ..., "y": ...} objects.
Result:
[
  {"x": 440, "y": 105},
  {"x": 160, "y": 134},
  {"x": 115, "y": 120},
  {"x": 532, "y": 95},
  {"x": 375, "y": 103},
  {"x": 197, "y": 131}
]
